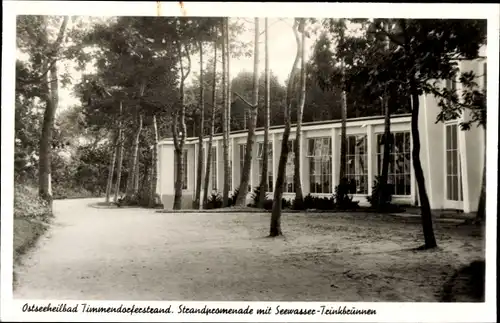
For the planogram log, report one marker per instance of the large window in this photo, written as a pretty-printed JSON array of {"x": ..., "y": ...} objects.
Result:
[
  {"x": 213, "y": 161},
  {"x": 243, "y": 148},
  {"x": 289, "y": 185},
  {"x": 357, "y": 164},
  {"x": 185, "y": 170},
  {"x": 319, "y": 154},
  {"x": 399, "y": 175},
  {"x": 453, "y": 169},
  {"x": 260, "y": 157}
]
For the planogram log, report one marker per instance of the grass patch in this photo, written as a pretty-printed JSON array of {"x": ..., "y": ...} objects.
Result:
[
  {"x": 26, "y": 234},
  {"x": 32, "y": 216}
]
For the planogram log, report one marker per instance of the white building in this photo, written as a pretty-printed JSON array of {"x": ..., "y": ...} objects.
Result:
[{"x": 452, "y": 159}]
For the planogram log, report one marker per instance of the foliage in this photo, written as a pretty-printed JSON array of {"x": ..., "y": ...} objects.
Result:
[
  {"x": 232, "y": 198},
  {"x": 319, "y": 203},
  {"x": 375, "y": 198},
  {"x": 27, "y": 203},
  {"x": 214, "y": 201},
  {"x": 343, "y": 200},
  {"x": 255, "y": 196}
]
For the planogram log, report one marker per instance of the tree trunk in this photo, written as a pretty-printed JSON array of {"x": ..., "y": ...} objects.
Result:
[
  {"x": 199, "y": 172},
  {"x": 383, "y": 193},
  {"x": 119, "y": 156},
  {"x": 275, "y": 229},
  {"x": 265, "y": 171},
  {"x": 299, "y": 198},
  {"x": 179, "y": 142},
  {"x": 112, "y": 167},
  {"x": 154, "y": 165},
  {"x": 179, "y": 169},
  {"x": 44, "y": 185},
  {"x": 388, "y": 143},
  {"x": 212, "y": 130},
  {"x": 343, "y": 128},
  {"x": 430, "y": 240},
  {"x": 51, "y": 91},
  {"x": 247, "y": 165},
  {"x": 481, "y": 208},
  {"x": 226, "y": 103},
  {"x": 137, "y": 172},
  {"x": 132, "y": 167}
]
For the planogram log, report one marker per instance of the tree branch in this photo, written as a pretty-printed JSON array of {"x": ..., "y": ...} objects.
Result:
[
  {"x": 189, "y": 61},
  {"x": 245, "y": 101}
]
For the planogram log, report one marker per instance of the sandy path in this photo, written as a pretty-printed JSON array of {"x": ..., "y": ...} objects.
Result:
[{"x": 137, "y": 254}]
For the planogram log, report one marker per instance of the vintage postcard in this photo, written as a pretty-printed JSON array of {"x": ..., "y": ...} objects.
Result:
[{"x": 249, "y": 162}]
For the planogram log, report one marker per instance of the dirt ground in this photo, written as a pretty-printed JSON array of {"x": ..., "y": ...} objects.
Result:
[{"x": 137, "y": 254}]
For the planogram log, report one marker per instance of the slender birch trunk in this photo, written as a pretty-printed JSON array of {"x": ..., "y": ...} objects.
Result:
[
  {"x": 199, "y": 172},
  {"x": 383, "y": 192},
  {"x": 247, "y": 165},
  {"x": 154, "y": 163},
  {"x": 226, "y": 103},
  {"x": 179, "y": 142},
  {"x": 119, "y": 155},
  {"x": 131, "y": 179},
  {"x": 212, "y": 130},
  {"x": 265, "y": 171},
  {"x": 299, "y": 198},
  {"x": 112, "y": 166},
  {"x": 275, "y": 229}
]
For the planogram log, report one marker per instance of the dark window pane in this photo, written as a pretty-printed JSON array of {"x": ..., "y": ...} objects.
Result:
[
  {"x": 449, "y": 162},
  {"x": 454, "y": 159},
  {"x": 407, "y": 184},
  {"x": 448, "y": 137},
  {"x": 455, "y": 188},
  {"x": 448, "y": 187}
]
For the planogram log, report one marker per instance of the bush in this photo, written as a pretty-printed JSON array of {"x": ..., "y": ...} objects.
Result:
[
  {"x": 343, "y": 200},
  {"x": 255, "y": 197},
  {"x": 214, "y": 201},
  {"x": 377, "y": 200},
  {"x": 309, "y": 201},
  {"x": 28, "y": 204},
  {"x": 60, "y": 192},
  {"x": 232, "y": 198},
  {"x": 268, "y": 204},
  {"x": 319, "y": 203}
]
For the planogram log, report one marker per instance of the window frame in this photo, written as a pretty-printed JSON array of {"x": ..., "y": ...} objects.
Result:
[
  {"x": 320, "y": 160},
  {"x": 392, "y": 169},
  {"x": 260, "y": 158},
  {"x": 356, "y": 156}
]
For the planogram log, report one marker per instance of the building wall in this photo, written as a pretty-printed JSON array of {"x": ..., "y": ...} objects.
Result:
[
  {"x": 471, "y": 145},
  {"x": 368, "y": 126}
]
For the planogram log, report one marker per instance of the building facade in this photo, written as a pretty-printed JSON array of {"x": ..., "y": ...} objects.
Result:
[{"x": 452, "y": 159}]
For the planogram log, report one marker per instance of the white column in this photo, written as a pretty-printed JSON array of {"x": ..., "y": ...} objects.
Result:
[
  {"x": 251, "y": 166},
  {"x": 233, "y": 173},
  {"x": 195, "y": 168},
  {"x": 464, "y": 178},
  {"x": 335, "y": 159},
  {"x": 158, "y": 170},
  {"x": 371, "y": 153},
  {"x": 413, "y": 186},
  {"x": 302, "y": 160},
  {"x": 217, "y": 166}
]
